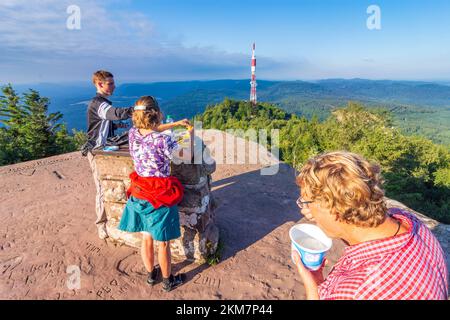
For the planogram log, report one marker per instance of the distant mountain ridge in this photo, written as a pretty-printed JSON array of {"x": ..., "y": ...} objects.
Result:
[{"x": 408, "y": 100}]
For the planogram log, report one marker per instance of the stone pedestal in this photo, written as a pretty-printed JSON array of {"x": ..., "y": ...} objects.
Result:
[{"x": 199, "y": 234}]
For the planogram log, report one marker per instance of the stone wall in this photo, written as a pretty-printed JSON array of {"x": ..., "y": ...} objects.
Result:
[{"x": 199, "y": 234}]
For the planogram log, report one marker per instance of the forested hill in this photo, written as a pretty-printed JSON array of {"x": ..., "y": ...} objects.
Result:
[
  {"x": 418, "y": 107},
  {"x": 417, "y": 171},
  {"x": 386, "y": 91}
]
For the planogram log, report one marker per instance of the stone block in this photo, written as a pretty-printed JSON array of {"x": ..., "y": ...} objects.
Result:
[
  {"x": 132, "y": 239},
  {"x": 209, "y": 169},
  {"x": 114, "y": 210},
  {"x": 188, "y": 220},
  {"x": 200, "y": 209},
  {"x": 195, "y": 200},
  {"x": 202, "y": 182},
  {"x": 190, "y": 174},
  {"x": 114, "y": 191},
  {"x": 210, "y": 239},
  {"x": 203, "y": 221},
  {"x": 213, "y": 202},
  {"x": 207, "y": 162},
  {"x": 127, "y": 183},
  {"x": 195, "y": 221},
  {"x": 195, "y": 246},
  {"x": 113, "y": 167},
  {"x": 207, "y": 243}
]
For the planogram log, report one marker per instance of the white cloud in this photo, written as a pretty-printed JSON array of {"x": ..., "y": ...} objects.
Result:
[{"x": 35, "y": 45}]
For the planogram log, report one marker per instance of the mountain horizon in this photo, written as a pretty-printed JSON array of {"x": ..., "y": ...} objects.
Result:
[
  {"x": 419, "y": 107},
  {"x": 88, "y": 83}
]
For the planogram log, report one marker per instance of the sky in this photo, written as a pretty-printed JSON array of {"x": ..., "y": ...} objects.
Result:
[{"x": 174, "y": 40}]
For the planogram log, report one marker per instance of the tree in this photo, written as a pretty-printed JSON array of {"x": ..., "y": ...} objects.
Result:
[
  {"x": 29, "y": 132},
  {"x": 13, "y": 116},
  {"x": 417, "y": 171},
  {"x": 40, "y": 130}
]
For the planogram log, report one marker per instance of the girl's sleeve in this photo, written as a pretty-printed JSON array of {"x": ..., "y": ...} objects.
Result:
[
  {"x": 130, "y": 139},
  {"x": 170, "y": 145}
]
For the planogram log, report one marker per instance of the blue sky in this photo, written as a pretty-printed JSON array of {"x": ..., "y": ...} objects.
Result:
[{"x": 170, "y": 40}]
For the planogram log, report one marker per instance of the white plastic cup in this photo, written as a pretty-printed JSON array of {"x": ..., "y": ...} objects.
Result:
[{"x": 311, "y": 258}]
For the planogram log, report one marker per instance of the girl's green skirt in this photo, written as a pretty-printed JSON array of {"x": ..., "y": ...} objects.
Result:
[{"x": 139, "y": 215}]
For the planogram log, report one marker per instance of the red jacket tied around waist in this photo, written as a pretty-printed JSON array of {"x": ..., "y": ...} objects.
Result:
[{"x": 158, "y": 191}]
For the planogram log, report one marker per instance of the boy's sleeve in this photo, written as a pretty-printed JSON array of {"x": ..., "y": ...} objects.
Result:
[{"x": 108, "y": 112}]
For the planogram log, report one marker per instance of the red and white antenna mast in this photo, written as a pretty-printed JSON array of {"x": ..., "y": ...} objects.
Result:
[{"x": 253, "y": 81}]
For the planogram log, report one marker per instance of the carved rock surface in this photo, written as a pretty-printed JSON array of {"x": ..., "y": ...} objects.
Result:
[{"x": 48, "y": 213}]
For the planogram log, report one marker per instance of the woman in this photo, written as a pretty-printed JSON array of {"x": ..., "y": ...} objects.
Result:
[
  {"x": 153, "y": 195},
  {"x": 390, "y": 253}
]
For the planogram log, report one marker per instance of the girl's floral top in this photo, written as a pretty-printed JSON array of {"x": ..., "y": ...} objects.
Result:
[{"x": 151, "y": 153}]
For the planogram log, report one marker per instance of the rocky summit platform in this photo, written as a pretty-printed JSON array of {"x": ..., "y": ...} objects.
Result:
[{"x": 48, "y": 234}]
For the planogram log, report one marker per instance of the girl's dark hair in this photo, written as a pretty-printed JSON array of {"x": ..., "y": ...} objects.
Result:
[{"x": 149, "y": 118}]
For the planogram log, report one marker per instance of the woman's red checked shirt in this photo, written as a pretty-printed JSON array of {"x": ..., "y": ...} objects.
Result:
[{"x": 410, "y": 266}]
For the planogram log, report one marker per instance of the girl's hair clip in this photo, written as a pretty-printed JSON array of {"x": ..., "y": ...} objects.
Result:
[{"x": 140, "y": 107}]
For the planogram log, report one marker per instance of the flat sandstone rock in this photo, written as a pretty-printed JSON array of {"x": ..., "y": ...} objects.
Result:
[{"x": 48, "y": 234}]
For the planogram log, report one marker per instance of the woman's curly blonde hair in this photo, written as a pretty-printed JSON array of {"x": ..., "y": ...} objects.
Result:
[
  {"x": 350, "y": 186},
  {"x": 149, "y": 118}
]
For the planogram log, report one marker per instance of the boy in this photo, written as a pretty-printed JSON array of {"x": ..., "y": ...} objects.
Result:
[{"x": 100, "y": 115}]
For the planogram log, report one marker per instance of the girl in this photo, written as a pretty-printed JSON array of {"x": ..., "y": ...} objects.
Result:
[{"x": 153, "y": 194}]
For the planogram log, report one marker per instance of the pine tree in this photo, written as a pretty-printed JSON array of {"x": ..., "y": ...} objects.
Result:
[
  {"x": 13, "y": 116},
  {"x": 40, "y": 129},
  {"x": 12, "y": 113},
  {"x": 28, "y": 132}
]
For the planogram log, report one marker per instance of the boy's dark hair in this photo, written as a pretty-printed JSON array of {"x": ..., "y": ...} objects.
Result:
[{"x": 101, "y": 75}]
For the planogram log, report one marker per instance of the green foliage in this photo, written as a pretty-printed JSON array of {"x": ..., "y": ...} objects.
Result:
[
  {"x": 431, "y": 123},
  {"x": 231, "y": 114},
  {"x": 79, "y": 138},
  {"x": 417, "y": 171},
  {"x": 216, "y": 257},
  {"x": 442, "y": 176},
  {"x": 28, "y": 132}
]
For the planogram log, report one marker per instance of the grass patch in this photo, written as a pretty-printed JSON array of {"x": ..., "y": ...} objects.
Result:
[{"x": 216, "y": 257}]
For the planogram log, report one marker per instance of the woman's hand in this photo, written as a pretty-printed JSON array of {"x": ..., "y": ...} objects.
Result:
[{"x": 311, "y": 279}]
